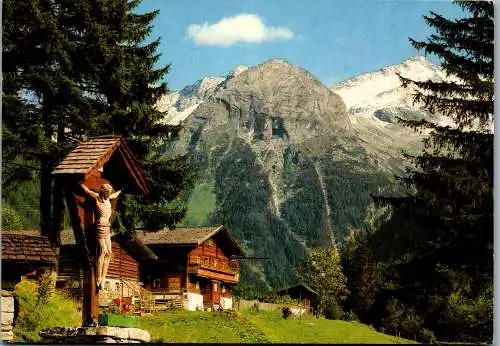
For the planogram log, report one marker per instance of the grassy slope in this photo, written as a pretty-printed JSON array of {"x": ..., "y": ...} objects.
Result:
[
  {"x": 58, "y": 311},
  {"x": 200, "y": 205},
  {"x": 261, "y": 327}
]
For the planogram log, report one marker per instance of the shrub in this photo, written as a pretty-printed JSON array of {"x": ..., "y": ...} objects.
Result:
[
  {"x": 57, "y": 310},
  {"x": 350, "y": 316},
  {"x": 471, "y": 317},
  {"x": 426, "y": 336},
  {"x": 332, "y": 310},
  {"x": 402, "y": 320},
  {"x": 11, "y": 220}
]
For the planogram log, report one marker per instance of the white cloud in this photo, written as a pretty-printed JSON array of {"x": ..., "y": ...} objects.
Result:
[{"x": 247, "y": 28}]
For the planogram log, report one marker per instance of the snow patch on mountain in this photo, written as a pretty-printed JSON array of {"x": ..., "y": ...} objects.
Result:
[
  {"x": 368, "y": 93},
  {"x": 180, "y": 104},
  {"x": 237, "y": 70}
]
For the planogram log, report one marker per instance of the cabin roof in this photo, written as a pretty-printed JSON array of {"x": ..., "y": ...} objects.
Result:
[
  {"x": 21, "y": 246},
  {"x": 136, "y": 245},
  {"x": 187, "y": 236},
  {"x": 95, "y": 152},
  {"x": 297, "y": 287}
]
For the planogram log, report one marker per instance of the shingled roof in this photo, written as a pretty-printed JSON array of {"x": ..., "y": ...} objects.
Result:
[
  {"x": 19, "y": 246},
  {"x": 95, "y": 152},
  {"x": 186, "y": 236},
  {"x": 178, "y": 236}
]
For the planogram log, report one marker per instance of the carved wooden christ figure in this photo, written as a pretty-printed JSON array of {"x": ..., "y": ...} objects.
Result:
[{"x": 103, "y": 226}]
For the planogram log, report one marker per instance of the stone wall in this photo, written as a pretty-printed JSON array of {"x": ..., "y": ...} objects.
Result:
[
  {"x": 94, "y": 335},
  {"x": 7, "y": 315}
]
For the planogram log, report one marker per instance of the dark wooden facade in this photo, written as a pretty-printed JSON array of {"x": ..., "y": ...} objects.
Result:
[
  {"x": 302, "y": 293},
  {"x": 97, "y": 161},
  {"x": 123, "y": 266},
  {"x": 191, "y": 260},
  {"x": 25, "y": 253}
]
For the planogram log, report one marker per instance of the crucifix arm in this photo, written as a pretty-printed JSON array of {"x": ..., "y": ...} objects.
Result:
[
  {"x": 114, "y": 195},
  {"x": 89, "y": 191}
]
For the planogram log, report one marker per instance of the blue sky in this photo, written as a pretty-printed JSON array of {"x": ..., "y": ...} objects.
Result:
[{"x": 332, "y": 39}]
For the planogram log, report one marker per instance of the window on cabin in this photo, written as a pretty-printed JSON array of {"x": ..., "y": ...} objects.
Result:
[
  {"x": 207, "y": 262},
  {"x": 197, "y": 260},
  {"x": 107, "y": 286},
  {"x": 117, "y": 286},
  {"x": 210, "y": 242},
  {"x": 156, "y": 283},
  {"x": 215, "y": 263}
]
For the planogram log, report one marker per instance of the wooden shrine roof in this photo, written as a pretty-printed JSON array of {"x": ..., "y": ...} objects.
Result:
[
  {"x": 20, "y": 246},
  {"x": 187, "y": 236},
  {"x": 95, "y": 152}
]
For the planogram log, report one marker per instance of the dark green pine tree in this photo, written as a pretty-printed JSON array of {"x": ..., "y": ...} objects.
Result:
[
  {"x": 38, "y": 95},
  {"x": 131, "y": 85},
  {"x": 363, "y": 282},
  {"x": 448, "y": 213},
  {"x": 75, "y": 69}
]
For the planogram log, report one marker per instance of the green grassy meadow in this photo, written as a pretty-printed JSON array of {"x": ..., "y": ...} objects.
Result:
[
  {"x": 257, "y": 327},
  {"x": 248, "y": 326}
]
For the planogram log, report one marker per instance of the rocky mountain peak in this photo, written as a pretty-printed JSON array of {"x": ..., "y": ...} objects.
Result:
[
  {"x": 237, "y": 70},
  {"x": 277, "y": 89}
]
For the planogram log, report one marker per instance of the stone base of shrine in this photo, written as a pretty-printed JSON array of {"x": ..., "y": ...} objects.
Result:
[{"x": 94, "y": 335}]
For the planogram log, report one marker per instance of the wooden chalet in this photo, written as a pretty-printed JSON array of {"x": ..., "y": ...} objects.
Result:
[
  {"x": 194, "y": 268},
  {"x": 25, "y": 254},
  {"x": 302, "y": 293},
  {"x": 122, "y": 280},
  {"x": 94, "y": 162}
]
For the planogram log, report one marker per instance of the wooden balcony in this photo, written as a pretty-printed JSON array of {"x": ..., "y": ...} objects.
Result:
[{"x": 223, "y": 274}]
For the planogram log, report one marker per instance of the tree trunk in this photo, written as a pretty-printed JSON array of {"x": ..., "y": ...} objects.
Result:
[
  {"x": 45, "y": 199},
  {"x": 58, "y": 201},
  {"x": 45, "y": 176}
]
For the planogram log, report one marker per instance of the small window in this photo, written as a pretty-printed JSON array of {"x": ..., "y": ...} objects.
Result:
[
  {"x": 215, "y": 286},
  {"x": 207, "y": 262},
  {"x": 107, "y": 286},
  {"x": 210, "y": 242},
  {"x": 215, "y": 263},
  {"x": 117, "y": 286},
  {"x": 156, "y": 283},
  {"x": 197, "y": 260}
]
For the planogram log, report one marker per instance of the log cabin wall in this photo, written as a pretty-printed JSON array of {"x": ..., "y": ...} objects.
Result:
[
  {"x": 168, "y": 273},
  {"x": 70, "y": 272},
  {"x": 122, "y": 265}
]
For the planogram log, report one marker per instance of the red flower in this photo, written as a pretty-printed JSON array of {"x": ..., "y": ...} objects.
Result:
[{"x": 116, "y": 301}]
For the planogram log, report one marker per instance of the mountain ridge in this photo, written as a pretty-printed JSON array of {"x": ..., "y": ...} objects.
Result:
[{"x": 283, "y": 162}]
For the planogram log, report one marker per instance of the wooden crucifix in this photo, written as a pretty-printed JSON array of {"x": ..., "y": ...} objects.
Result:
[{"x": 91, "y": 177}]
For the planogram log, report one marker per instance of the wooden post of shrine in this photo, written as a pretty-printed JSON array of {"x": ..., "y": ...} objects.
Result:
[{"x": 98, "y": 161}]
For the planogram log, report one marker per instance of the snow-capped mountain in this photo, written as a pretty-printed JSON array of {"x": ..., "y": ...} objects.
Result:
[
  {"x": 379, "y": 94},
  {"x": 180, "y": 104}
]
